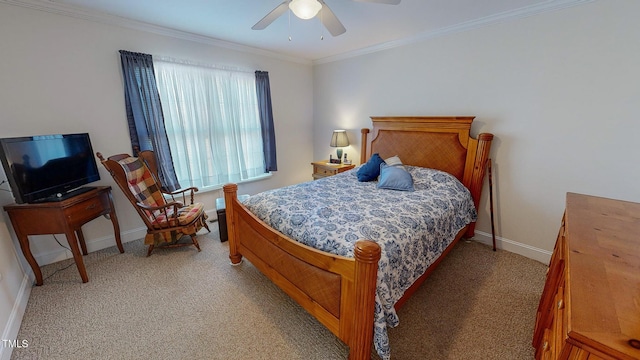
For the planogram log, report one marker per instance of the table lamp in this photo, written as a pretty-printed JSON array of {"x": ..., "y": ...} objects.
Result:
[{"x": 339, "y": 140}]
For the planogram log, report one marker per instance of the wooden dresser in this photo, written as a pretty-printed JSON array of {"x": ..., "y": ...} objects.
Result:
[{"x": 590, "y": 305}]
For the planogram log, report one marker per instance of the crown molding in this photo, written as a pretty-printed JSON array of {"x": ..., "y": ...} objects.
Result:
[
  {"x": 551, "y": 5},
  {"x": 53, "y": 7},
  {"x": 50, "y": 6}
]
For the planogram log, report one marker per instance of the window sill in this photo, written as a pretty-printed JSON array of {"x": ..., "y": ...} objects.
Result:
[{"x": 218, "y": 187}]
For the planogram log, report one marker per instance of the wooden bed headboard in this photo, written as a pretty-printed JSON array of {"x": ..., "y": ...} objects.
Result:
[{"x": 437, "y": 142}]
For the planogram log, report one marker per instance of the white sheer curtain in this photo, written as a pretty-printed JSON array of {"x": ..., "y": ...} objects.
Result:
[{"x": 212, "y": 122}]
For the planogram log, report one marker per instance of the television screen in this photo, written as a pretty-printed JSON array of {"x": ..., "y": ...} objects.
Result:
[{"x": 47, "y": 167}]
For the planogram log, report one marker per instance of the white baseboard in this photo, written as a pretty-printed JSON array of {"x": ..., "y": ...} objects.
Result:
[
  {"x": 92, "y": 245},
  {"x": 528, "y": 251},
  {"x": 212, "y": 214},
  {"x": 15, "y": 318},
  {"x": 531, "y": 252}
]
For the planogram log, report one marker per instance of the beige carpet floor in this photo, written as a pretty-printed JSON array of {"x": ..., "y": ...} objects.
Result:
[{"x": 181, "y": 304}]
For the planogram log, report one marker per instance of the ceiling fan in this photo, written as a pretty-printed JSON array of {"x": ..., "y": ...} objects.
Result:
[{"x": 307, "y": 9}]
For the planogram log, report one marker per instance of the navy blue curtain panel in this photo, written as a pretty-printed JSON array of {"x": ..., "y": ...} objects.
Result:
[
  {"x": 144, "y": 114},
  {"x": 263, "y": 90}
]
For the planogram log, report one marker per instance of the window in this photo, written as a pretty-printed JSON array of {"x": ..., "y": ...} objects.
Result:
[{"x": 212, "y": 122}]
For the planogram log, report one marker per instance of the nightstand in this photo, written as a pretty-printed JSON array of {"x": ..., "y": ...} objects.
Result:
[{"x": 324, "y": 168}]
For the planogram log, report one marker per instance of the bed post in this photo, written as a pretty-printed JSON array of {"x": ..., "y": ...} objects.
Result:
[
  {"x": 477, "y": 179},
  {"x": 367, "y": 255},
  {"x": 363, "y": 146},
  {"x": 231, "y": 194}
]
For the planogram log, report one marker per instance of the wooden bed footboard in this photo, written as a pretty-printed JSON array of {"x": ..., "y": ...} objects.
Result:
[{"x": 338, "y": 291}]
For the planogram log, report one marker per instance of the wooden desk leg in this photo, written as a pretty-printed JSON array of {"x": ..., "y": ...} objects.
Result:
[
  {"x": 83, "y": 244},
  {"x": 73, "y": 243},
  {"x": 116, "y": 226},
  {"x": 26, "y": 251}
]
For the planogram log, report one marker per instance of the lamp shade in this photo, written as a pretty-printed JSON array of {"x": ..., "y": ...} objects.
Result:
[
  {"x": 339, "y": 139},
  {"x": 305, "y": 9}
]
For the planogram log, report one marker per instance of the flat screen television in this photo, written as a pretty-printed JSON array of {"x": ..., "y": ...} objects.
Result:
[{"x": 48, "y": 167}]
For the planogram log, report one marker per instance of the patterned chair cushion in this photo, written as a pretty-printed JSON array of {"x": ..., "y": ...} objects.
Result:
[
  {"x": 186, "y": 215},
  {"x": 142, "y": 184}
]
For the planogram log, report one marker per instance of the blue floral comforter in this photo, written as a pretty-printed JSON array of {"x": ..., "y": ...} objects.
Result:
[{"x": 412, "y": 228}]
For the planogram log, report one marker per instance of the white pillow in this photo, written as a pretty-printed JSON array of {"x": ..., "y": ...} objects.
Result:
[{"x": 392, "y": 161}]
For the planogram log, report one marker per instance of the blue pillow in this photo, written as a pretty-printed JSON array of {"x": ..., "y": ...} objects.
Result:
[
  {"x": 371, "y": 169},
  {"x": 395, "y": 178}
]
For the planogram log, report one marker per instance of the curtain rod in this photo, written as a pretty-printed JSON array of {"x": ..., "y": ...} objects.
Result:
[{"x": 204, "y": 65}]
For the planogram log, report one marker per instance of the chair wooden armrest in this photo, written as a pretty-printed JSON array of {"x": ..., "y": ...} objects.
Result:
[
  {"x": 182, "y": 192},
  {"x": 176, "y": 204},
  {"x": 193, "y": 189}
]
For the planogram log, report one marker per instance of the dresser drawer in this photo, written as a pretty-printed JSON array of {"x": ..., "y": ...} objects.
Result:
[
  {"x": 323, "y": 171},
  {"x": 86, "y": 210}
]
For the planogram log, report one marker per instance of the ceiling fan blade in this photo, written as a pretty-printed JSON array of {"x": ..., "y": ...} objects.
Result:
[
  {"x": 330, "y": 20},
  {"x": 390, "y": 2},
  {"x": 272, "y": 16}
]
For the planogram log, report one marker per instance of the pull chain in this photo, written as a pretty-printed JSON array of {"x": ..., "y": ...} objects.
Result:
[
  {"x": 289, "y": 13},
  {"x": 321, "y": 24}
]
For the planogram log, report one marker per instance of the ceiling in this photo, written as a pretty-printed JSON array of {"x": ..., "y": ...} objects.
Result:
[{"x": 370, "y": 26}]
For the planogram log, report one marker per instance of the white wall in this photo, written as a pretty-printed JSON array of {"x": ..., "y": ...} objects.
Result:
[
  {"x": 560, "y": 91},
  {"x": 60, "y": 74}
]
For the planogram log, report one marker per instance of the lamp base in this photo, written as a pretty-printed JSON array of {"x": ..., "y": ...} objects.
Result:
[{"x": 339, "y": 153}]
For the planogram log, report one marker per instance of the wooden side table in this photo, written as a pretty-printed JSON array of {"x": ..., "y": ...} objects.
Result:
[
  {"x": 324, "y": 168},
  {"x": 63, "y": 217}
]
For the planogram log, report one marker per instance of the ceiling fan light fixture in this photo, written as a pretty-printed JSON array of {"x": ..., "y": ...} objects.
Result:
[{"x": 305, "y": 9}]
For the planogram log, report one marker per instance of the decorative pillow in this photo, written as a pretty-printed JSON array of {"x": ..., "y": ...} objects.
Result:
[
  {"x": 371, "y": 169},
  {"x": 395, "y": 178},
  {"x": 392, "y": 161}
]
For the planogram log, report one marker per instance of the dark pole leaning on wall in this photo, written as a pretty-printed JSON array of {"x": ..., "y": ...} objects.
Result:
[{"x": 493, "y": 230}]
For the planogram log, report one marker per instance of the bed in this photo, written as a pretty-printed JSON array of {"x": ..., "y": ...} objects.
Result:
[{"x": 341, "y": 288}]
